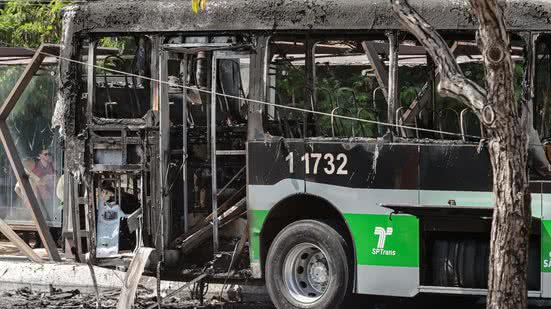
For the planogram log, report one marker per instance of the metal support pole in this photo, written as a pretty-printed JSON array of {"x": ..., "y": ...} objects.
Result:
[
  {"x": 92, "y": 206},
  {"x": 259, "y": 78},
  {"x": 309, "y": 89},
  {"x": 393, "y": 100},
  {"x": 164, "y": 151},
  {"x": 214, "y": 188},
  {"x": 379, "y": 67},
  {"x": 91, "y": 80},
  {"x": 184, "y": 72},
  {"x": 151, "y": 187},
  {"x": 433, "y": 121},
  {"x": 71, "y": 190}
]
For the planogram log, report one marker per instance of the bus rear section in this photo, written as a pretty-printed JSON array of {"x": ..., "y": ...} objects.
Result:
[{"x": 413, "y": 217}]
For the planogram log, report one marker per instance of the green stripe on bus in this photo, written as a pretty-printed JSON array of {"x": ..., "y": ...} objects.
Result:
[
  {"x": 382, "y": 240},
  {"x": 256, "y": 220},
  {"x": 379, "y": 239},
  {"x": 546, "y": 246}
]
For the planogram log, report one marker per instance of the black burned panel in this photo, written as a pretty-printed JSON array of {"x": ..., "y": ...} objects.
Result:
[
  {"x": 363, "y": 164},
  {"x": 274, "y": 160},
  {"x": 454, "y": 167}
]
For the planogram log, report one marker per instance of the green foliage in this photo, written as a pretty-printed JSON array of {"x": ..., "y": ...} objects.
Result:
[
  {"x": 346, "y": 88},
  {"x": 28, "y": 23},
  {"x": 8, "y": 77},
  {"x": 29, "y": 121},
  {"x": 120, "y": 43},
  {"x": 339, "y": 86},
  {"x": 349, "y": 89}
]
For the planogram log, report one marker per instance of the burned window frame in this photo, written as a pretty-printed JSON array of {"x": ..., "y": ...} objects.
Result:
[{"x": 93, "y": 69}]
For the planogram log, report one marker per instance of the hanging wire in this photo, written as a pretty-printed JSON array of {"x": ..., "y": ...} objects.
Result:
[{"x": 382, "y": 123}]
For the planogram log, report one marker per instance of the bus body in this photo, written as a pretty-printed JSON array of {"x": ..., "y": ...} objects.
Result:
[{"x": 333, "y": 205}]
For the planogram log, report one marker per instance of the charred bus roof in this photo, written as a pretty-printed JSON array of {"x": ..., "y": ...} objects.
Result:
[{"x": 151, "y": 16}]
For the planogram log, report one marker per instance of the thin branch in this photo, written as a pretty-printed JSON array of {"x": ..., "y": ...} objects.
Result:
[{"x": 452, "y": 81}]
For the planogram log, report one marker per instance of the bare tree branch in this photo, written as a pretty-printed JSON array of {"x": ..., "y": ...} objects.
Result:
[
  {"x": 494, "y": 44},
  {"x": 453, "y": 82}
]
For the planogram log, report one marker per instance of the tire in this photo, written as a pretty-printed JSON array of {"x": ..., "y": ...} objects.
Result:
[
  {"x": 481, "y": 266},
  {"x": 468, "y": 276},
  {"x": 452, "y": 269},
  {"x": 299, "y": 271},
  {"x": 439, "y": 263}
]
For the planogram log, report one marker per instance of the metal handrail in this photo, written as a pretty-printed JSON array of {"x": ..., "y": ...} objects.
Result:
[
  {"x": 462, "y": 119},
  {"x": 441, "y": 115}
]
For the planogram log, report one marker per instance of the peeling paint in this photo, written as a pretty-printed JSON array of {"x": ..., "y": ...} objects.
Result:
[
  {"x": 375, "y": 157},
  {"x": 270, "y": 15}
]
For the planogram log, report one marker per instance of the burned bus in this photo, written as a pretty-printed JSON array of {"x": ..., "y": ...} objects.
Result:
[{"x": 300, "y": 143}]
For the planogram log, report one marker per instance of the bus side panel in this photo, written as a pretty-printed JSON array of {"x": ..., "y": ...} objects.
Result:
[
  {"x": 387, "y": 251},
  {"x": 456, "y": 175},
  {"x": 270, "y": 179},
  {"x": 460, "y": 175},
  {"x": 386, "y": 247}
]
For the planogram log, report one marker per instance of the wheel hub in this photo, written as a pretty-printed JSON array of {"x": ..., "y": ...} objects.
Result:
[
  {"x": 306, "y": 273},
  {"x": 318, "y": 273}
]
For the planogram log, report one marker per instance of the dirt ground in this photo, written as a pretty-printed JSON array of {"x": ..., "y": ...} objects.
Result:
[{"x": 24, "y": 298}]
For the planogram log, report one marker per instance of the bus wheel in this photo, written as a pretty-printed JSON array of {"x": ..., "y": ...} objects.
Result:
[{"x": 307, "y": 267}]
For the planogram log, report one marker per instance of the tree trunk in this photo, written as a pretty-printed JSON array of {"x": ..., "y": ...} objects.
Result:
[
  {"x": 507, "y": 280},
  {"x": 508, "y": 148},
  {"x": 508, "y": 141}
]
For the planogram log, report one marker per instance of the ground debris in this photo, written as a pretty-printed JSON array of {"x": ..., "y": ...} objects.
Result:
[{"x": 56, "y": 298}]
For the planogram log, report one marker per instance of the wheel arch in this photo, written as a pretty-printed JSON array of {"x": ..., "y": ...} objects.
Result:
[{"x": 301, "y": 207}]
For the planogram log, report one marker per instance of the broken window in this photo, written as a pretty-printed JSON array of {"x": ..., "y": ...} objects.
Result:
[
  {"x": 201, "y": 65},
  {"x": 344, "y": 83},
  {"x": 120, "y": 91},
  {"x": 542, "y": 106},
  {"x": 415, "y": 91},
  {"x": 37, "y": 144},
  {"x": 287, "y": 86},
  {"x": 233, "y": 80},
  {"x": 422, "y": 106}
]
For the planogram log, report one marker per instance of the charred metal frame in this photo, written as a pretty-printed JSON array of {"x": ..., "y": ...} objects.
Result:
[
  {"x": 118, "y": 138},
  {"x": 11, "y": 151},
  {"x": 218, "y": 55},
  {"x": 393, "y": 93},
  {"x": 211, "y": 128},
  {"x": 164, "y": 151},
  {"x": 378, "y": 66},
  {"x": 290, "y": 15},
  {"x": 184, "y": 72},
  {"x": 156, "y": 204}
]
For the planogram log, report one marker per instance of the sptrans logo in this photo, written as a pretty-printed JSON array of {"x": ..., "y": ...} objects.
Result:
[
  {"x": 547, "y": 262},
  {"x": 382, "y": 233}
]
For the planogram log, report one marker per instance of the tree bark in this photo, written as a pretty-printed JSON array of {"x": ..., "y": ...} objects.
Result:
[{"x": 507, "y": 145}]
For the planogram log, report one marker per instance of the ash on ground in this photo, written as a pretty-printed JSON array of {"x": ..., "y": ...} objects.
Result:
[{"x": 55, "y": 298}]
